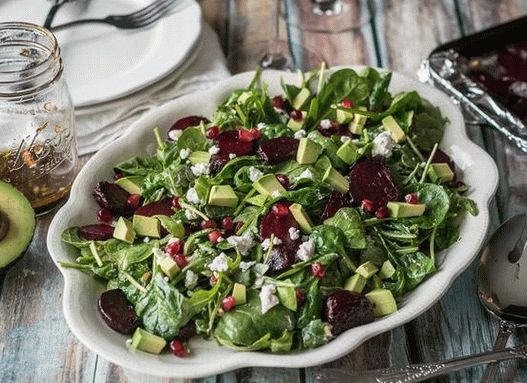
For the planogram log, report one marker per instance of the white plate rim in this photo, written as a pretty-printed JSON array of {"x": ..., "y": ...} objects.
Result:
[{"x": 221, "y": 360}]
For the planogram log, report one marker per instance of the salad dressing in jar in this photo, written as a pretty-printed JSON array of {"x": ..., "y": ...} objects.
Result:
[{"x": 37, "y": 146}]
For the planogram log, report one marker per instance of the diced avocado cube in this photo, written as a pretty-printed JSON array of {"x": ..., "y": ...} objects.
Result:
[
  {"x": 131, "y": 184},
  {"x": 287, "y": 297},
  {"x": 337, "y": 180},
  {"x": 348, "y": 152},
  {"x": 440, "y": 172},
  {"x": 268, "y": 186},
  {"x": 199, "y": 157},
  {"x": 257, "y": 200},
  {"x": 301, "y": 98},
  {"x": 383, "y": 302},
  {"x": 301, "y": 217},
  {"x": 358, "y": 122},
  {"x": 308, "y": 151},
  {"x": 390, "y": 125},
  {"x": 169, "y": 267},
  {"x": 404, "y": 210},
  {"x": 387, "y": 270},
  {"x": 239, "y": 292},
  {"x": 297, "y": 124},
  {"x": 146, "y": 226},
  {"x": 344, "y": 116},
  {"x": 124, "y": 230},
  {"x": 144, "y": 341},
  {"x": 367, "y": 269},
  {"x": 355, "y": 283},
  {"x": 223, "y": 195},
  {"x": 242, "y": 98}
]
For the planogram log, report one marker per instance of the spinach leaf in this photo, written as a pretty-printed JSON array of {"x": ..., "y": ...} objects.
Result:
[
  {"x": 379, "y": 83},
  {"x": 315, "y": 334},
  {"x": 173, "y": 226},
  {"x": 192, "y": 138},
  {"x": 330, "y": 148},
  {"x": 269, "y": 131},
  {"x": 163, "y": 309},
  {"x": 397, "y": 283},
  {"x": 350, "y": 222},
  {"x": 437, "y": 204},
  {"x": 312, "y": 308},
  {"x": 417, "y": 267},
  {"x": 127, "y": 255},
  {"x": 343, "y": 84},
  {"x": 139, "y": 166},
  {"x": 402, "y": 102},
  {"x": 374, "y": 253},
  {"x": 200, "y": 298},
  {"x": 428, "y": 126},
  {"x": 313, "y": 196},
  {"x": 230, "y": 169},
  {"x": 72, "y": 237},
  {"x": 174, "y": 179},
  {"x": 282, "y": 344},
  {"x": 328, "y": 240}
]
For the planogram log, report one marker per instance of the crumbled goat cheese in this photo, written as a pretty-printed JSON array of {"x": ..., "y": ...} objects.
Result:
[
  {"x": 146, "y": 239},
  {"x": 383, "y": 145},
  {"x": 294, "y": 233},
  {"x": 128, "y": 342},
  {"x": 266, "y": 243},
  {"x": 244, "y": 243},
  {"x": 214, "y": 150},
  {"x": 244, "y": 266},
  {"x": 299, "y": 134},
  {"x": 220, "y": 263},
  {"x": 190, "y": 214},
  {"x": 184, "y": 153},
  {"x": 172, "y": 240},
  {"x": 254, "y": 173},
  {"x": 192, "y": 196},
  {"x": 191, "y": 279},
  {"x": 232, "y": 156},
  {"x": 261, "y": 125},
  {"x": 345, "y": 139},
  {"x": 268, "y": 298},
  {"x": 326, "y": 124},
  {"x": 175, "y": 134},
  {"x": 158, "y": 253},
  {"x": 275, "y": 194},
  {"x": 306, "y": 250},
  {"x": 306, "y": 174},
  {"x": 166, "y": 279},
  {"x": 258, "y": 283},
  {"x": 200, "y": 169}
]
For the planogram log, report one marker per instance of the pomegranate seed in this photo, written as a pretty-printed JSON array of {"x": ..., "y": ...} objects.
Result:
[
  {"x": 104, "y": 215},
  {"x": 181, "y": 260},
  {"x": 173, "y": 248},
  {"x": 117, "y": 175},
  {"x": 228, "y": 303},
  {"x": 296, "y": 115},
  {"x": 411, "y": 198},
  {"x": 175, "y": 203},
  {"x": 278, "y": 102},
  {"x": 300, "y": 296},
  {"x": 133, "y": 201},
  {"x": 368, "y": 206},
  {"x": 214, "y": 236},
  {"x": 256, "y": 133},
  {"x": 318, "y": 270},
  {"x": 281, "y": 210},
  {"x": 248, "y": 135},
  {"x": 283, "y": 179},
  {"x": 213, "y": 132},
  {"x": 382, "y": 212},
  {"x": 178, "y": 348},
  {"x": 347, "y": 104},
  {"x": 227, "y": 223},
  {"x": 208, "y": 224}
]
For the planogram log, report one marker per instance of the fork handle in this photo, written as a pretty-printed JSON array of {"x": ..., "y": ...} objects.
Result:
[
  {"x": 420, "y": 372},
  {"x": 78, "y": 22}
]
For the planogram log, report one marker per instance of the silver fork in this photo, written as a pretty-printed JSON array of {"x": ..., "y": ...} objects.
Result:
[{"x": 137, "y": 19}]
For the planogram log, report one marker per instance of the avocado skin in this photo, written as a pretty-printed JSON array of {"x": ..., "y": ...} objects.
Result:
[{"x": 21, "y": 224}]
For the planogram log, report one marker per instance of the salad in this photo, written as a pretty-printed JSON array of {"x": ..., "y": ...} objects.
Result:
[{"x": 279, "y": 223}]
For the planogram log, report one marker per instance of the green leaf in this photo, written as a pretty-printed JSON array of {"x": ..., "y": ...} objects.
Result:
[
  {"x": 437, "y": 204},
  {"x": 350, "y": 222},
  {"x": 139, "y": 166},
  {"x": 328, "y": 240},
  {"x": 200, "y": 298},
  {"x": 315, "y": 334},
  {"x": 72, "y": 237},
  {"x": 343, "y": 84},
  {"x": 417, "y": 267},
  {"x": 312, "y": 308},
  {"x": 428, "y": 126},
  {"x": 282, "y": 344},
  {"x": 174, "y": 227}
]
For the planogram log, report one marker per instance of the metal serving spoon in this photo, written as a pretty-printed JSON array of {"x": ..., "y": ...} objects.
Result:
[{"x": 502, "y": 286}]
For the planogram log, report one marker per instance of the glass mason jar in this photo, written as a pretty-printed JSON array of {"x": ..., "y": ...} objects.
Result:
[{"x": 37, "y": 147}]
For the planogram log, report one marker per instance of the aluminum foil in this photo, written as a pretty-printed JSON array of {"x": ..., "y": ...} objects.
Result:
[{"x": 446, "y": 70}]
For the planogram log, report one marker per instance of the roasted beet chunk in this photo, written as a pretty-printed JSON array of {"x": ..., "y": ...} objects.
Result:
[
  {"x": 336, "y": 201},
  {"x": 277, "y": 150},
  {"x": 442, "y": 157},
  {"x": 344, "y": 310},
  {"x": 217, "y": 162},
  {"x": 277, "y": 223},
  {"x": 117, "y": 312},
  {"x": 328, "y": 128},
  {"x": 99, "y": 232},
  {"x": 185, "y": 122},
  {"x": 229, "y": 143},
  {"x": 113, "y": 197},
  {"x": 186, "y": 332},
  {"x": 370, "y": 179},
  {"x": 162, "y": 207}
]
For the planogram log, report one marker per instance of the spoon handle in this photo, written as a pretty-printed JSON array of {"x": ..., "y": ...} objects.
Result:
[
  {"x": 420, "y": 372},
  {"x": 501, "y": 341}
]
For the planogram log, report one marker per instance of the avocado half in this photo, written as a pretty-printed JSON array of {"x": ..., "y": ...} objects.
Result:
[{"x": 17, "y": 224}]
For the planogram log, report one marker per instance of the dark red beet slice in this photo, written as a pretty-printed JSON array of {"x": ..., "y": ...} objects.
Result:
[
  {"x": 328, "y": 128},
  {"x": 117, "y": 312},
  {"x": 185, "y": 122},
  {"x": 186, "y": 332},
  {"x": 98, "y": 232},
  {"x": 163, "y": 207},
  {"x": 277, "y": 149},
  {"x": 442, "y": 157},
  {"x": 344, "y": 310},
  {"x": 217, "y": 162},
  {"x": 112, "y": 197},
  {"x": 229, "y": 143},
  {"x": 285, "y": 253},
  {"x": 336, "y": 201},
  {"x": 371, "y": 179}
]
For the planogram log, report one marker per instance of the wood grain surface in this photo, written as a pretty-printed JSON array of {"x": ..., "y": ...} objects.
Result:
[{"x": 35, "y": 343}]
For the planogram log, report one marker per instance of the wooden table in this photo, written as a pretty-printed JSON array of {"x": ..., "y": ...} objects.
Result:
[{"x": 36, "y": 345}]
